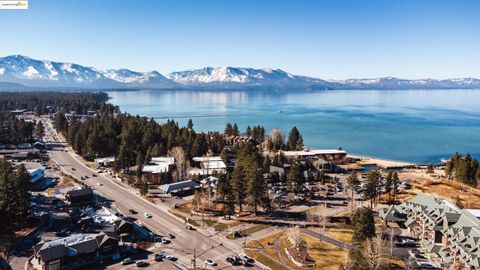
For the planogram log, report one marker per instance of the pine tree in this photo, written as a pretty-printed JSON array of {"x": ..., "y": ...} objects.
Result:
[
  {"x": 228, "y": 129},
  {"x": 395, "y": 184},
  {"x": 295, "y": 140},
  {"x": 256, "y": 186},
  {"x": 295, "y": 178},
  {"x": 248, "y": 132},
  {"x": 190, "y": 124},
  {"x": 389, "y": 185},
  {"x": 235, "y": 130},
  {"x": 373, "y": 179},
  {"x": 238, "y": 185},
  {"x": 352, "y": 183},
  {"x": 363, "y": 225}
]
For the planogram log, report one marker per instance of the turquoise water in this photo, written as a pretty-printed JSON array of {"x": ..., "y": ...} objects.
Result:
[{"x": 409, "y": 125}]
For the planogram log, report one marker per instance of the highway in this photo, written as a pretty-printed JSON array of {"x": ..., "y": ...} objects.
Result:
[{"x": 162, "y": 222}]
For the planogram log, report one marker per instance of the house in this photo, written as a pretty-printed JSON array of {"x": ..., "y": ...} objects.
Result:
[
  {"x": 75, "y": 251},
  {"x": 444, "y": 230},
  {"x": 79, "y": 196},
  {"x": 155, "y": 171},
  {"x": 186, "y": 185},
  {"x": 208, "y": 166},
  {"x": 104, "y": 162}
]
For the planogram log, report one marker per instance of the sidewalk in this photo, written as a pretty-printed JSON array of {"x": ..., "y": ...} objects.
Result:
[{"x": 327, "y": 239}]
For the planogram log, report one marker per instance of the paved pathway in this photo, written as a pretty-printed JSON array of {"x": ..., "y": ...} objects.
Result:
[{"x": 335, "y": 242}]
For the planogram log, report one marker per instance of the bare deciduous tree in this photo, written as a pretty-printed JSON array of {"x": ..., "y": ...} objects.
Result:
[{"x": 180, "y": 161}]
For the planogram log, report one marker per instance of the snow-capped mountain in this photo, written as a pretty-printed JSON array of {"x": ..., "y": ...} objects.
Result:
[
  {"x": 229, "y": 75},
  {"x": 133, "y": 78},
  {"x": 43, "y": 73},
  {"x": 17, "y": 71},
  {"x": 238, "y": 77},
  {"x": 396, "y": 83}
]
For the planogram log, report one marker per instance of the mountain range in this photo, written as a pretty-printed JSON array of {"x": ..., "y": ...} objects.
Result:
[{"x": 17, "y": 72}]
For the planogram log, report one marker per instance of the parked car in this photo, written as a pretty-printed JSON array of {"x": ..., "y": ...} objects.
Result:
[
  {"x": 171, "y": 236},
  {"x": 127, "y": 261},
  {"x": 189, "y": 227},
  {"x": 231, "y": 260},
  {"x": 147, "y": 215},
  {"x": 141, "y": 264},
  {"x": 210, "y": 262},
  {"x": 246, "y": 259},
  {"x": 132, "y": 211},
  {"x": 171, "y": 258},
  {"x": 159, "y": 257},
  {"x": 165, "y": 240}
]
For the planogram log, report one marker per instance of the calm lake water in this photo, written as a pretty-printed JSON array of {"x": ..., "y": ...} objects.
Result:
[{"x": 409, "y": 125}]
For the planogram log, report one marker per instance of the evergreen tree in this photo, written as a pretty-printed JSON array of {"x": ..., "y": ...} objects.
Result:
[
  {"x": 395, "y": 184},
  {"x": 256, "y": 186},
  {"x": 352, "y": 183},
  {"x": 363, "y": 225},
  {"x": 295, "y": 140},
  {"x": 248, "y": 132},
  {"x": 238, "y": 185},
  {"x": 295, "y": 178},
  {"x": 235, "y": 130},
  {"x": 373, "y": 180},
  {"x": 190, "y": 124},
  {"x": 228, "y": 129},
  {"x": 389, "y": 185}
]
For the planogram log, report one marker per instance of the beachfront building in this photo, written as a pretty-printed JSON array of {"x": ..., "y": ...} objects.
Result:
[
  {"x": 326, "y": 154},
  {"x": 444, "y": 230},
  {"x": 155, "y": 172},
  {"x": 205, "y": 166}
]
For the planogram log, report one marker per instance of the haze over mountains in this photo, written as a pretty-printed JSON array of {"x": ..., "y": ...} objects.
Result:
[{"x": 17, "y": 72}]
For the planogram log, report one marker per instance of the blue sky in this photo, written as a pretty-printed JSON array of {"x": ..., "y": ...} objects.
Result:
[{"x": 328, "y": 39}]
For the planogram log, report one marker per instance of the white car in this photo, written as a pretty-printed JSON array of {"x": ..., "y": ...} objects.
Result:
[
  {"x": 100, "y": 184},
  {"x": 171, "y": 258},
  {"x": 210, "y": 262},
  {"x": 147, "y": 215},
  {"x": 165, "y": 240}
]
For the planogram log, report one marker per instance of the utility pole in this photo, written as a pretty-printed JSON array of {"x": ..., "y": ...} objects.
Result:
[{"x": 194, "y": 259}]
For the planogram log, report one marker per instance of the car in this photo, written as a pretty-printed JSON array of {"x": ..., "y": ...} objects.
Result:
[
  {"x": 210, "y": 262},
  {"x": 100, "y": 184},
  {"x": 94, "y": 175},
  {"x": 171, "y": 236},
  {"x": 141, "y": 264},
  {"x": 171, "y": 258},
  {"x": 189, "y": 227},
  {"x": 159, "y": 257},
  {"x": 147, "y": 215},
  {"x": 132, "y": 211},
  {"x": 127, "y": 261},
  {"x": 246, "y": 259},
  {"x": 231, "y": 260},
  {"x": 165, "y": 240}
]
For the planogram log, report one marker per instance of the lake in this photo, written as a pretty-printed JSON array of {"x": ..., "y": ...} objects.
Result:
[{"x": 409, "y": 125}]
